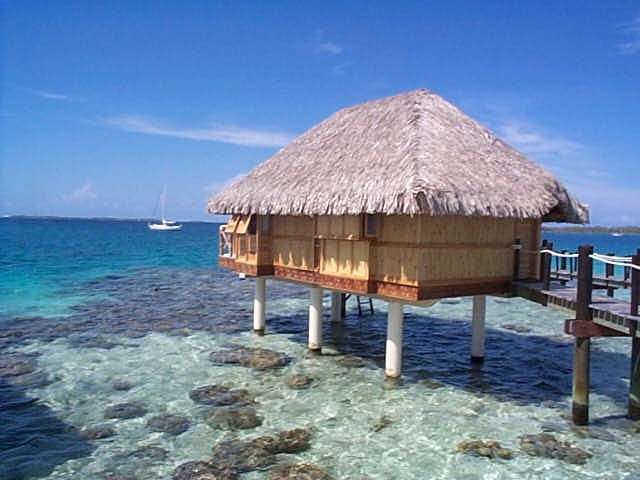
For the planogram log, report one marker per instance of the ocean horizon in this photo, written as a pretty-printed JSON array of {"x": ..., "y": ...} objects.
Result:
[{"x": 122, "y": 357}]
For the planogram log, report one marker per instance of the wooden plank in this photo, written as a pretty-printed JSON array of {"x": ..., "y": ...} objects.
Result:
[{"x": 588, "y": 329}]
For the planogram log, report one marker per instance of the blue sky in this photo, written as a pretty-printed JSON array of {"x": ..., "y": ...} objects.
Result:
[{"x": 103, "y": 103}]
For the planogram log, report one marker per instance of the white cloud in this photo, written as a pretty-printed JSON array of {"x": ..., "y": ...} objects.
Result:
[
  {"x": 50, "y": 95},
  {"x": 631, "y": 46},
  {"x": 220, "y": 133},
  {"x": 83, "y": 193},
  {"x": 329, "y": 47},
  {"x": 608, "y": 201},
  {"x": 218, "y": 185},
  {"x": 530, "y": 140}
]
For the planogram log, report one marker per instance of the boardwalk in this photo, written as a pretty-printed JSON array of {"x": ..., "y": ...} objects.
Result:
[
  {"x": 608, "y": 312},
  {"x": 596, "y": 315}
]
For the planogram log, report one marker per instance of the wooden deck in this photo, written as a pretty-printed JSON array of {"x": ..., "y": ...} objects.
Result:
[
  {"x": 596, "y": 315},
  {"x": 608, "y": 312}
]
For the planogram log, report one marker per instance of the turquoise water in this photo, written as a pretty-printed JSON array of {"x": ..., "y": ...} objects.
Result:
[{"x": 101, "y": 313}]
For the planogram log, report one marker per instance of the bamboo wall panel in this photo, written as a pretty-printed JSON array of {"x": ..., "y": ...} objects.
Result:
[
  {"x": 292, "y": 225},
  {"x": 293, "y": 253},
  {"x": 265, "y": 249},
  {"x": 450, "y": 229},
  {"x": 528, "y": 231},
  {"x": 398, "y": 228},
  {"x": 360, "y": 259},
  {"x": 396, "y": 264},
  {"x": 352, "y": 226},
  {"x": 347, "y": 226},
  {"x": 462, "y": 264},
  {"x": 323, "y": 225},
  {"x": 330, "y": 257},
  {"x": 346, "y": 258}
]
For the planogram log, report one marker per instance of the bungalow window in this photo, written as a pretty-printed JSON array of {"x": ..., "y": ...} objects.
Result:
[{"x": 371, "y": 225}]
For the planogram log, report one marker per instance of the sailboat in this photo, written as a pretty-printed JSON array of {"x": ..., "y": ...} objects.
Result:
[{"x": 164, "y": 224}]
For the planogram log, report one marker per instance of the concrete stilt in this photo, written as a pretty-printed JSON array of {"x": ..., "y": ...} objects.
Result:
[
  {"x": 315, "y": 319},
  {"x": 477, "y": 328},
  {"x": 393, "y": 359},
  {"x": 258, "y": 305},
  {"x": 336, "y": 307}
]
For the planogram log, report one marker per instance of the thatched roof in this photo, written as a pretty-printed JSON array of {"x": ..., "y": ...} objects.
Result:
[{"x": 411, "y": 153}]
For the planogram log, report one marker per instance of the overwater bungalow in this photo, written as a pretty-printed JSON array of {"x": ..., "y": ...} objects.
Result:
[{"x": 405, "y": 199}]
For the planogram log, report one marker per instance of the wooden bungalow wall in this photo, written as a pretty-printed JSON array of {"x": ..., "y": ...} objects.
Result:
[{"x": 421, "y": 253}]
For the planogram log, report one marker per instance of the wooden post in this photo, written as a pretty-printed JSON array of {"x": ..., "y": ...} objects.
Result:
[
  {"x": 563, "y": 266},
  {"x": 315, "y": 319},
  {"x": 517, "y": 248},
  {"x": 635, "y": 283},
  {"x": 393, "y": 353},
  {"x": 634, "y": 375},
  {"x": 563, "y": 261},
  {"x": 477, "y": 328},
  {"x": 541, "y": 265},
  {"x": 581, "y": 346},
  {"x": 546, "y": 266},
  {"x": 608, "y": 272},
  {"x": 258, "y": 305}
]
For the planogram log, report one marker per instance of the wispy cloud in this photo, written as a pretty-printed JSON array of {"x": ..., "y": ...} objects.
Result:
[
  {"x": 632, "y": 30},
  {"x": 50, "y": 95},
  {"x": 83, "y": 193},
  {"x": 219, "y": 185},
  {"x": 219, "y": 133},
  {"x": 531, "y": 140},
  {"x": 322, "y": 46},
  {"x": 329, "y": 47}
]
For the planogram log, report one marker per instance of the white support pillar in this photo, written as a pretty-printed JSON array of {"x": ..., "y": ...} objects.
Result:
[
  {"x": 393, "y": 359},
  {"x": 477, "y": 328},
  {"x": 258, "y": 305},
  {"x": 315, "y": 319},
  {"x": 336, "y": 307}
]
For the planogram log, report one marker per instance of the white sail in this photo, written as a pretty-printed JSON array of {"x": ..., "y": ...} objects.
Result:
[{"x": 164, "y": 224}]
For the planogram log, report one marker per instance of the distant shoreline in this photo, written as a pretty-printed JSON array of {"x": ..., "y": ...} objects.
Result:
[
  {"x": 591, "y": 229},
  {"x": 545, "y": 228},
  {"x": 93, "y": 219}
]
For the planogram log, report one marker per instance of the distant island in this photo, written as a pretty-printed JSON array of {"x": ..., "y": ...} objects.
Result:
[{"x": 590, "y": 229}]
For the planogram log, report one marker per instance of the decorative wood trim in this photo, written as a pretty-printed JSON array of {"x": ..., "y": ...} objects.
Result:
[
  {"x": 246, "y": 268},
  {"x": 452, "y": 246},
  {"x": 465, "y": 288},
  {"x": 327, "y": 281},
  {"x": 410, "y": 293},
  {"x": 397, "y": 291}
]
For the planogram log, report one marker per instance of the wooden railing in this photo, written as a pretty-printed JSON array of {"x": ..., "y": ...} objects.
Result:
[{"x": 564, "y": 267}]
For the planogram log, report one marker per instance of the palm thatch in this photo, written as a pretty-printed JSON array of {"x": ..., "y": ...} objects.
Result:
[{"x": 412, "y": 153}]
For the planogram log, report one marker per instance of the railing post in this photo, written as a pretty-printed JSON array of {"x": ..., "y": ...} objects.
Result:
[
  {"x": 634, "y": 374},
  {"x": 541, "y": 265},
  {"x": 563, "y": 266},
  {"x": 563, "y": 261},
  {"x": 546, "y": 266},
  {"x": 635, "y": 284},
  {"x": 609, "y": 272},
  {"x": 517, "y": 248},
  {"x": 581, "y": 346}
]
